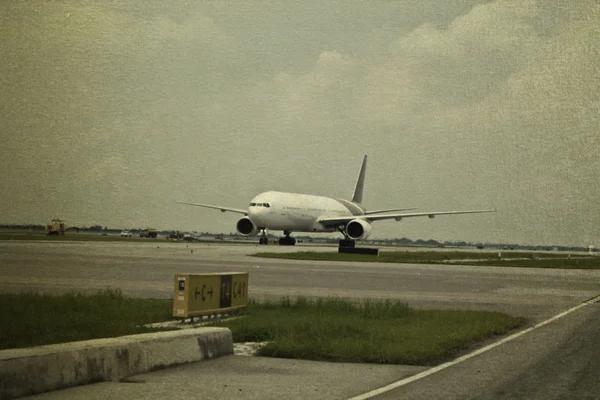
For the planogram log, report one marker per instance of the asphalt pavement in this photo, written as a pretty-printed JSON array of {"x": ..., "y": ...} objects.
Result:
[
  {"x": 243, "y": 377},
  {"x": 558, "y": 360}
]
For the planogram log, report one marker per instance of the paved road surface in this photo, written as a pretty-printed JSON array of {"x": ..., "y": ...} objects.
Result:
[
  {"x": 559, "y": 359},
  {"x": 147, "y": 269}
]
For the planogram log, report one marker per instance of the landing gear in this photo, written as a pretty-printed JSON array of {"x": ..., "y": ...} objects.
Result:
[
  {"x": 347, "y": 243},
  {"x": 287, "y": 240},
  {"x": 263, "y": 237}
]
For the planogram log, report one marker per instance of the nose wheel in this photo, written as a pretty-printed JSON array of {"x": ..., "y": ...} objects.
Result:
[{"x": 263, "y": 237}]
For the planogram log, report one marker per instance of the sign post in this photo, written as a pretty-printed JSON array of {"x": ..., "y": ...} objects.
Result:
[{"x": 207, "y": 294}]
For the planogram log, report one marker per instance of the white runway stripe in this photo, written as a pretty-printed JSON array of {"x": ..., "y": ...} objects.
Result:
[{"x": 440, "y": 367}]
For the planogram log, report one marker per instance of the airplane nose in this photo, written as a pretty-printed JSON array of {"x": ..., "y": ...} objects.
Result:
[{"x": 256, "y": 214}]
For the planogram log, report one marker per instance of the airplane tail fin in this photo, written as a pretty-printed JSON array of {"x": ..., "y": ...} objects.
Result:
[{"x": 360, "y": 183}]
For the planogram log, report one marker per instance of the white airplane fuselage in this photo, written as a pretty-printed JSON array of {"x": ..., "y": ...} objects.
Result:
[{"x": 297, "y": 212}]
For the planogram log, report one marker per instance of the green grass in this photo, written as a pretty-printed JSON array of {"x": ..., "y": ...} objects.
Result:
[
  {"x": 369, "y": 331},
  {"x": 509, "y": 259},
  {"x": 32, "y": 319},
  {"x": 562, "y": 263},
  {"x": 330, "y": 329},
  {"x": 111, "y": 237}
]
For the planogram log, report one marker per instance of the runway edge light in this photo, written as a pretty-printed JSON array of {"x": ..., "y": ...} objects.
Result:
[{"x": 208, "y": 294}]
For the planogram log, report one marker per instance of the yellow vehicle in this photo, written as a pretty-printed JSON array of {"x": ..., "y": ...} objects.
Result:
[{"x": 57, "y": 227}]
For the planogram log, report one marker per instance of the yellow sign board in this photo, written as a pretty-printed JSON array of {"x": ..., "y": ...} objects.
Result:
[{"x": 205, "y": 294}]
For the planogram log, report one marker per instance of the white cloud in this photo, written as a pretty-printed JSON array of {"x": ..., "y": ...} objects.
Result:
[{"x": 504, "y": 107}]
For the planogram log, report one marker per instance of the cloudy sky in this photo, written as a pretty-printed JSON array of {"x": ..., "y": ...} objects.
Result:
[{"x": 109, "y": 111}]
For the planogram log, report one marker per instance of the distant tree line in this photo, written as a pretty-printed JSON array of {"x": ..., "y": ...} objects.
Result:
[
  {"x": 401, "y": 241},
  {"x": 33, "y": 227}
]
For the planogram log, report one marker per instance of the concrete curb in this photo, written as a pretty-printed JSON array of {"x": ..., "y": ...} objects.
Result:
[{"x": 41, "y": 369}]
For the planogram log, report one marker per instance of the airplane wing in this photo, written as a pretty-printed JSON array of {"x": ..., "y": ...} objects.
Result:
[
  {"x": 334, "y": 221},
  {"x": 223, "y": 209},
  {"x": 388, "y": 211}
]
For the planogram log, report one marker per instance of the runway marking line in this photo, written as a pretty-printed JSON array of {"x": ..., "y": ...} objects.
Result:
[{"x": 431, "y": 371}]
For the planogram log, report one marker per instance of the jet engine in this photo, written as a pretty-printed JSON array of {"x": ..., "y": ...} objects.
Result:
[
  {"x": 245, "y": 227},
  {"x": 358, "y": 229}
]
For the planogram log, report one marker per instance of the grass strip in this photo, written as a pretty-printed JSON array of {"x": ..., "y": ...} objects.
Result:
[
  {"x": 33, "y": 319},
  {"x": 331, "y": 329},
  {"x": 366, "y": 331},
  {"x": 72, "y": 237},
  {"x": 85, "y": 237},
  {"x": 563, "y": 263},
  {"x": 513, "y": 259}
]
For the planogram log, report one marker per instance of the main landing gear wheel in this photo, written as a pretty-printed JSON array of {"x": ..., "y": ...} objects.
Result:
[
  {"x": 347, "y": 243},
  {"x": 287, "y": 240}
]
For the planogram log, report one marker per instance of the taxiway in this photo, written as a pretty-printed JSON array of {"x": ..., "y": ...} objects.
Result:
[{"x": 561, "y": 355}]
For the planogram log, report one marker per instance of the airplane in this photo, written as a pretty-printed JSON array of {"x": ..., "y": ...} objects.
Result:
[{"x": 296, "y": 212}]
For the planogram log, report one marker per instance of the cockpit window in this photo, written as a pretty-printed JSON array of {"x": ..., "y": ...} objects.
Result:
[{"x": 260, "y": 205}]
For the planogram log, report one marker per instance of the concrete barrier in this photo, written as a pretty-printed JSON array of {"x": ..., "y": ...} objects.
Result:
[{"x": 41, "y": 369}]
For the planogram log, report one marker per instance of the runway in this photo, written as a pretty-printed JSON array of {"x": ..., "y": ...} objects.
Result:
[
  {"x": 519, "y": 369},
  {"x": 147, "y": 270}
]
